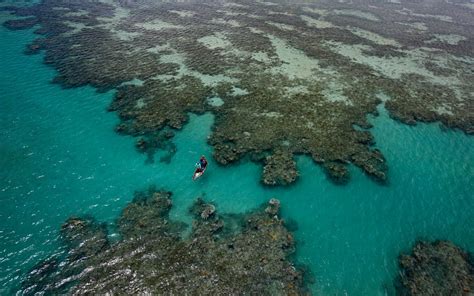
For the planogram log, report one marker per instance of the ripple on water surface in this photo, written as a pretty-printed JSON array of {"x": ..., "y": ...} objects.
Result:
[{"x": 60, "y": 157}]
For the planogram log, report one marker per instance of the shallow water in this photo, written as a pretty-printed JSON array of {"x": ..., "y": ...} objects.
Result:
[{"x": 60, "y": 156}]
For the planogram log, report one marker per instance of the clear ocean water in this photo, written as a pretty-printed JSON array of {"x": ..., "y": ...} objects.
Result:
[{"x": 59, "y": 156}]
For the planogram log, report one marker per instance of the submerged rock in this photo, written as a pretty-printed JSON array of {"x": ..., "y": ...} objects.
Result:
[
  {"x": 279, "y": 169},
  {"x": 337, "y": 172},
  {"x": 273, "y": 207},
  {"x": 150, "y": 143},
  {"x": 21, "y": 24},
  {"x": 208, "y": 212},
  {"x": 153, "y": 258},
  {"x": 147, "y": 216},
  {"x": 84, "y": 237},
  {"x": 438, "y": 268},
  {"x": 84, "y": 240},
  {"x": 40, "y": 277}
]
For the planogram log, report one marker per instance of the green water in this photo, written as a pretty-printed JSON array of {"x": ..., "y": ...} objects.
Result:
[{"x": 59, "y": 156}]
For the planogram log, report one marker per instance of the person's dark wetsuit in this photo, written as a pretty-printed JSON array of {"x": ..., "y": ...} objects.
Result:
[{"x": 203, "y": 162}]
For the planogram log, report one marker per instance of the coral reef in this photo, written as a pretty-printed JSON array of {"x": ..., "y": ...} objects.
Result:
[
  {"x": 152, "y": 256},
  {"x": 281, "y": 79},
  {"x": 438, "y": 268},
  {"x": 279, "y": 169}
]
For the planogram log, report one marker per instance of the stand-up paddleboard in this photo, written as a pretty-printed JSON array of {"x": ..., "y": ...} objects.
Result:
[{"x": 197, "y": 174}]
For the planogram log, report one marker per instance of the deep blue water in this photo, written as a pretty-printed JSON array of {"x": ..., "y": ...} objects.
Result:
[{"x": 59, "y": 156}]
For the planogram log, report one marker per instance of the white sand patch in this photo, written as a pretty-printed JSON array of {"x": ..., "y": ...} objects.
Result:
[
  {"x": 60, "y": 8},
  {"x": 357, "y": 13},
  {"x": 183, "y": 13},
  {"x": 256, "y": 31},
  {"x": 394, "y": 67},
  {"x": 76, "y": 27},
  {"x": 451, "y": 39},
  {"x": 174, "y": 58},
  {"x": 157, "y": 25},
  {"x": 232, "y": 4},
  {"x": 416, "y": 25},
  {"x": 443, "y": 110},
  {"x": 266, "y": 3},
  {"x": 215, "y": 101},
  {"x": 232, "y": 23},
  {"x": 279, "y": 13},
  {"x": 237, "y": 91},
  {"x": 217, "y": 40},
  {"x": 231, "y": 13},
  {"x": 322, "y": 12},
  {"x": 125, "y": 35},
  {"x": 440, "y": 17},
  {"x": 271, "y": 114},
  {"x": 159, "y": 48},
  {"x": 134, "y": 81},
  {"x": 119, "y": 14},
  {"x": 261, "y": 56},
  {"x": 80, "y": 12},
  {"x": 334, "y": 92},
  {"x": 213, "y": 80},
  {"x": 179, "y": 59},
  {"x": 298, "y": 89},
  {"x": 376, "y": 38},
  {"x": 109, "y": 23},
  {"x": 468, "y": 5},
  {"x": 320, "y": 24},
  {"x": 295, "y": 63},
  {"x": 382, "y": 96},
  {"x": 281, "y": 26},
  {"x": 140, "y": 104}
]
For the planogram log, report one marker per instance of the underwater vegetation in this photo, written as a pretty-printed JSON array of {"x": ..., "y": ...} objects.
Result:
[
  {"x": 226, "y": 254},
  {"x": 281, "y": 79}
]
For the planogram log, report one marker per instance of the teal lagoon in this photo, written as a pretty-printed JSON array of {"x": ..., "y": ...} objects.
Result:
[{"x": 60, "y": 156}]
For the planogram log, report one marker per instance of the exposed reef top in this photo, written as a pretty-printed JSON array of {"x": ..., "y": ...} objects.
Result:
[
  {"x": 281, "y": 79},
  {"x": 438, "y": 268},
  {"x": 216, "y": 258}
]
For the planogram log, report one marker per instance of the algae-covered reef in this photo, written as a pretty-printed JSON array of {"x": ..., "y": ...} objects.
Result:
[
  {"x": 437, "y": 268},
  {"x": 223, "y": 255},
  {"x": 281, "y": 78}
]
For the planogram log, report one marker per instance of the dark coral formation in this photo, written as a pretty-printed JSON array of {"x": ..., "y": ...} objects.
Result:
[
  {"x": 438, "y": 268},
  {"x": 290, "y": 78},
  {"x": 84, "y": 239},
  {"x": 216, "y": 258},
  {"x": 279, "y": 169}
]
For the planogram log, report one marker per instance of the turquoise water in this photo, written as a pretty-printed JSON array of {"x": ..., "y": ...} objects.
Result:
[{"x": 60, "y": 156}]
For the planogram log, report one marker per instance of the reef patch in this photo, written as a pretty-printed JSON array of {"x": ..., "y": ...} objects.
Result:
[
  {"x": 308, "y": 72},
  {"x": 153, "y": 256},
  {"x": 436, "y": 268}
]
